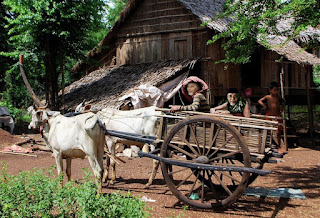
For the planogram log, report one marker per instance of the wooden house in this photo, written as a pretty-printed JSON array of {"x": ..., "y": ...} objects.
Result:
[{"x": 152, "y": 32}]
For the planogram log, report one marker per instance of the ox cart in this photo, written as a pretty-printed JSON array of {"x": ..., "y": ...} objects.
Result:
[{"x": 207, "y": 160}]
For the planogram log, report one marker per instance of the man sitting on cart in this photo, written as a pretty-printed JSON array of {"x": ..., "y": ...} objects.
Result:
[
  {"x": 235, "y": 105},
  {"x": 192, "y": 89}
]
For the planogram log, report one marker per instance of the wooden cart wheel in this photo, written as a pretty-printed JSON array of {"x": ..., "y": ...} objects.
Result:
[{"x": 205, "y": 140}]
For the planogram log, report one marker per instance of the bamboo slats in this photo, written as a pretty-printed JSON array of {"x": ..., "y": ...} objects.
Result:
[{"x": 257, "y": 133}]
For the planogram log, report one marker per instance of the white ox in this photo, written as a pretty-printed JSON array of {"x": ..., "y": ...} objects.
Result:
[
  {"x": 140, "y": 121},
  {"x": 72, "y": 137}
]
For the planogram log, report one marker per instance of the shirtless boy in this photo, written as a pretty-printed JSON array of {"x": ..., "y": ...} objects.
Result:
[{"x": 274, "y": 105}]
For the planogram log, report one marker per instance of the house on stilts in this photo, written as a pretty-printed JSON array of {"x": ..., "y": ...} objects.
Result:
[{"x": 156, "y": 41}]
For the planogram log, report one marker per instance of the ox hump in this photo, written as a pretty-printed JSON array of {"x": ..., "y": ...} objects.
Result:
[{"x": 90, "y": 121}]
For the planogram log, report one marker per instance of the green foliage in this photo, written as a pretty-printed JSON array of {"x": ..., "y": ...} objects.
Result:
[
  {"x": 113, "y": 9},
  {"x": 48, "y": 31},
  {"x": 51, "y": 32},
  {"x": 254, "y": 20},
  {"x": 4, "y": 46},
  {"x": 67, "y": 24},
  {"x": 20, "y": 115},
  {"x": 37, "y": 194},
  {"x": 316, "y": 76}
]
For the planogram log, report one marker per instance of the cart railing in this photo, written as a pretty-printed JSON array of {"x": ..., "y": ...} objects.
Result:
[{"x": 257, "y": 132}]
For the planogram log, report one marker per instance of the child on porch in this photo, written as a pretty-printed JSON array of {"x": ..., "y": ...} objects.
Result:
[
  {"x": 191, "y": 89},
  {"x": 273, "y": 104},
  {"x": 235, "y": 104}
]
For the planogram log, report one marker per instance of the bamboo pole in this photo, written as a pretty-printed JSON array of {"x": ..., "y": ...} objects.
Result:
[
  {"x": 285, "y": 146},
  {"x": 310, "y": 106}
]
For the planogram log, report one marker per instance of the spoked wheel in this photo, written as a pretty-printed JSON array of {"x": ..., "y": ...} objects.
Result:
[{"x": 210, "y": 141}]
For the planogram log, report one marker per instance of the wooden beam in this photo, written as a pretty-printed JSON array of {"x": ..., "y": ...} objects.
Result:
[
  {"x": 164, "y": 31},
  {"x": 163, "y": 17}
]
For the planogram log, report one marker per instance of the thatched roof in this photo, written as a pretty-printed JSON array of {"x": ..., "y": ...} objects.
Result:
[
  {"x": 291, "y": 50},
  {"x": 103, "y": 88},
  {"x": 206, "y": 11},
  {"x": 304, "y": 36}
]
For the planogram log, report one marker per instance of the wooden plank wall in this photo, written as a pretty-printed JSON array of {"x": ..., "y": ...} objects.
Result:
[
  {"x": 165, "y": 29},
  {"x": 156, "y": 30},
  {"x": 153, "y": 16},
  {"x": 222, "y": 76},
  {"x": 295, "y": 74}
]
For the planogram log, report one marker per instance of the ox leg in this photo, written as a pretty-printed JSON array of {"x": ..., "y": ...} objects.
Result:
[
  {"x": 110, "y": 163},
  {"x": 58, "y": 158},
  {"x": 112, "y": 149},
  {"x": 155, "y": 167},
  {"x": 100, "y": 163},
  {"x": 97, "y": 167},
  {"x": 105, "y": 173},
  {"x": 68, "y": 168}
]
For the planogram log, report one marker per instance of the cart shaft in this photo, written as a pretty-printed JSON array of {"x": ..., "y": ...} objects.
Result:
[{"x": 200, "y": 166}]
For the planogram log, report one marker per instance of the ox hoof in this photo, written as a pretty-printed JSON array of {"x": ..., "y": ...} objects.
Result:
[{"x": 111, "y": 182}]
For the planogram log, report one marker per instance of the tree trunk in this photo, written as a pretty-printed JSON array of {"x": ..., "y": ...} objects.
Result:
[
  {"x": 62, "y": 85},
  {"x": 51, "y": 81}
]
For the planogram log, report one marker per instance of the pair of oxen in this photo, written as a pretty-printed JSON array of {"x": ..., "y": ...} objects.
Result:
[{"x": 84, "y": 135}]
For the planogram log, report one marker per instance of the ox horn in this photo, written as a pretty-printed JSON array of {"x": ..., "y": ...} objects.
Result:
[{"x": 25, "y": 80}]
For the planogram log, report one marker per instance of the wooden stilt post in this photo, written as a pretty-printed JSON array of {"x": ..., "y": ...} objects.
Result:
[
  {"x": 310, "y": 106},
  {"x": 285, "y": 146}
]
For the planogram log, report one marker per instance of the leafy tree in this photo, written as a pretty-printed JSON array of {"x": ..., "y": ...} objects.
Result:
[
  {"x": 4, "y": 46},
  {"x": 113, "y": 9},
  {"x": 52, "y": 32},
  {"x": 253, "y": 20}
]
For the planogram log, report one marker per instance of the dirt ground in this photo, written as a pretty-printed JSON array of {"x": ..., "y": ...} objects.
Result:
[{"x": 300, "y": 169}]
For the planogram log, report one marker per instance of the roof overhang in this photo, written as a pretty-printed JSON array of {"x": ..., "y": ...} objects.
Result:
[
  {"x": 104, "y": 87},
  {"x": 291, "y": 50}
]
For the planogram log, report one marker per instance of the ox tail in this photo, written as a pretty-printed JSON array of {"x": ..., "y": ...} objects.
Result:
[
  {"x": 102, "y": 126},
  {"x": 90, "y": 122}
]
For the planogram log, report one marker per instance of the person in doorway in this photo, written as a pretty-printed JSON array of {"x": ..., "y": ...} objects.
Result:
[
  {"x": 273, "y": 104},
  {"x": 192, "y": 89},
  {"x": 235, "y": 105}
]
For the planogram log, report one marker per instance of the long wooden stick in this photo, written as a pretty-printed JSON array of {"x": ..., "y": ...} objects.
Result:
[
  {"x": 26, "y": 82},
  {"x": 113, "y": 157},
  {"x": 23, "y": 142},
  {"x": 8, "y": 152}
]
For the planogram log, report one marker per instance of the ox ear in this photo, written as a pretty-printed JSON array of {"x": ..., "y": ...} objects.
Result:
[
  {"x": 44, "y": 116},
  {"x": 30, "y": 109}
]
